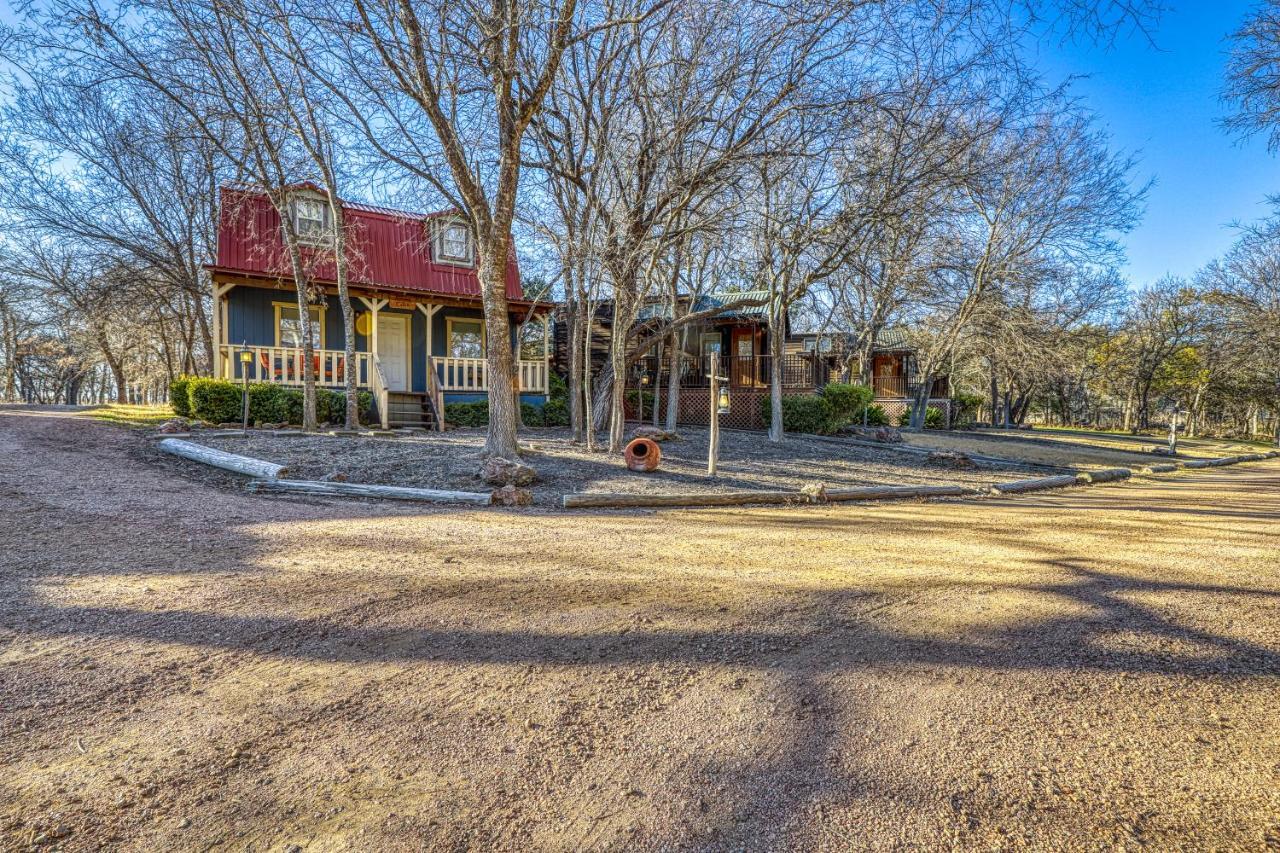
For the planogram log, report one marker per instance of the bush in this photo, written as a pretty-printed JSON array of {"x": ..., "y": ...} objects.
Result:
[
  {"x": 933, "y": 418},
  {"x": 846, "y": 401},
  {"x": 966, "y": 408},
  {"x": 531, "y": 415},
  {"x": 467, "y": 414},
  {"x": 802, "y": 413},
  {"x": 180, "y": 397},
  {"x": 875, "y": 416},
  {"x": 556, "y": 413},
  {"x": 216, "y": 401}
]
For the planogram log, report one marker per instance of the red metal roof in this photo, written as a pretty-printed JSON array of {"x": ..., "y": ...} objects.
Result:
[{"x": 386, "y": 248}]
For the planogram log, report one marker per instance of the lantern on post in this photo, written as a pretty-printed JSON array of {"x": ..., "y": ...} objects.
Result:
[
  {"x": 722, "y": 400},
  {"x": 644, "y": 385},
  {"x": 246, "y": 359}
]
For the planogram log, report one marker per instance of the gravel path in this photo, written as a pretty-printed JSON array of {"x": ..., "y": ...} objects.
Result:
[
  {"x": 748, "y": 461},
  {"x": 184, "y": 666}
]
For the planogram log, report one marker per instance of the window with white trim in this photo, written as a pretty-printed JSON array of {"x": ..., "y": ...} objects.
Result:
[
  {"x": 310, "y": 218},
  {"x": 289, "y": 326},
  {"x": 466, "y": 338},
  {"x": 453, "y": 243}
]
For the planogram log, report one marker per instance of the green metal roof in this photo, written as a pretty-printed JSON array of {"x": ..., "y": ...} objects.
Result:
[{"x": 711, "y": 301}]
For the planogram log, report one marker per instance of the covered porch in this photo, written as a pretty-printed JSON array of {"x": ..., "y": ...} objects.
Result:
[{"x": 406, "y": 347}]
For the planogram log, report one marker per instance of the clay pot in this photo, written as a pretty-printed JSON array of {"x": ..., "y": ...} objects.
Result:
[{"x": 643, "y": 454}]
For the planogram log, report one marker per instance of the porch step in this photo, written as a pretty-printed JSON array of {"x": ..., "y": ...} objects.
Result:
[{"x": 409, "y": 409}]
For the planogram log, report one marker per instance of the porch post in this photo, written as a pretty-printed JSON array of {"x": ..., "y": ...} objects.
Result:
[
  {"x": 374, "y": 306},
  {"x": 546, "y": 356},
  {"x": 219, "y": 326}
]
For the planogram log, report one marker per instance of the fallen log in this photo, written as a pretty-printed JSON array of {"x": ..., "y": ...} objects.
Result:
[
  {"x": 221, "y": 459},
  {"x": 363, "y": 490},
  {"x": 1160, "y": 469},
  {"x": 1034, "y": 485},
  {"x": 1199, "y": 463},
  {"x": 875, "y": 493},
  {"x": 606, "y": 500},
  {"x": 1104, "y": 475}
]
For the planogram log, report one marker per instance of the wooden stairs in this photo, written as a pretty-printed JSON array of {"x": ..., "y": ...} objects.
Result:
[{"x": 410, "y": 409}]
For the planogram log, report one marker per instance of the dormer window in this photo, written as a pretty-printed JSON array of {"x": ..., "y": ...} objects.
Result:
[
  {"x": 310, "y": 218},
  {"x": 453, "y": 243}
]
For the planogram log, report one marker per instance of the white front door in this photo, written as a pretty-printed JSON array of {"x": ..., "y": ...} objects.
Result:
[{"x": 393, "y": 350}]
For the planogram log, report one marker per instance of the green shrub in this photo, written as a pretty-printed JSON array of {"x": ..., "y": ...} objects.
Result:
[
  {"x": 531, "y": 415},
  {"x": 846, "y": 401},
  {"x": 875, "y": 417},
  {"x": 180, "y": 397},
  {"x": 467, "y": 414},
  {"x": 557, "y": 388},
  {"x": 965, "y": 408},
  {"x": 802, "y": 413},
  {"x": 933, "y": 418},
  {"x": 633, "y": 402},
  {"x": 216, "y": 401},
  {"x": 556, "y": 413}
]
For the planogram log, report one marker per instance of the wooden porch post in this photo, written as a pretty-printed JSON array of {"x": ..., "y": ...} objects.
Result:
[
  {"x": 546, "y": 355},
  {"x": 219, "y": 326}
]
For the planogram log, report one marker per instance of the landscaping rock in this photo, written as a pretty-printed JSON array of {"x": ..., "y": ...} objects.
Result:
[
  {"x": 231, "y": 425},
  {"x": 815, "y": 492},
  {"x": 886, "y": 435},
  {"x": 512, "y": 496},
  {"x": 1162, "y": 451},
  {"x": 654, "y": 433},
  {"x": 335, "y": 477},
  {"x": 175, "y": 425},
  {"x": 951, "y": 459},
  {"x": 504, "y": 472}
]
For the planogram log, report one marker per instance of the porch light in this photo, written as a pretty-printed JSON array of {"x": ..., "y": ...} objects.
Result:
[
  {"x": 722, "y": 400},
  {"x": 644, "y": 378},
  {"x": 246, "y": 356}
]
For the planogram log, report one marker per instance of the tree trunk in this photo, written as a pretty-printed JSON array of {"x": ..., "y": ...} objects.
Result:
[
  {"x": 775, "y": 370},
  {"x": 500, "y": 366},
  {"x": 674, "y": 361}
]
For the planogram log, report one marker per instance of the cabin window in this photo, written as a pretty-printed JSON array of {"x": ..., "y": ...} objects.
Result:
[
  {"x": 289, "y": 326},
  {"x": 453, "y": 243},
  {"x": 466, "y": 338},
  {"x": 711, "y": 344},
  {"x": 310, "y": 218}
]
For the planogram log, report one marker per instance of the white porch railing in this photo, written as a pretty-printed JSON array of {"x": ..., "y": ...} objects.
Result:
[
  {"x": 284, "y": 365},
  {"x": 470, "y": 374}
]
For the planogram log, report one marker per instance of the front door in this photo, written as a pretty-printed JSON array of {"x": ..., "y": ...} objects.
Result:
[
  {"x": 393, "y": 350},
  {"x": 743, "y": 371}
]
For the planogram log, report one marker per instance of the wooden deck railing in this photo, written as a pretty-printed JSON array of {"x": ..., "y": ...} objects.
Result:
[
  {"x": 471, "y": 374},
  {"x": 284, "y": 365},
  {"x": 747, "y": 371}
]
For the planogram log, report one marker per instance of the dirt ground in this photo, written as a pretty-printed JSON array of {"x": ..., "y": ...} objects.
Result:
[
  {"x": 748, "y": 461},
  {"x": 1071, "y": 448},
  {"x": 184, "y": 666}
]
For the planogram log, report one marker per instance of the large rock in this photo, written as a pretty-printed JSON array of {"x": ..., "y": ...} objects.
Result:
[
  {"x": 886, "y": 435},
  {"x": 951, "y": 459},
  {"x": 815, "y": 492},
  {"x": 503, "y": 472},
  {"x": 175, "y": 425},
  {"x": 653, "y": 433},
  {"x": 512, "y": 496}
]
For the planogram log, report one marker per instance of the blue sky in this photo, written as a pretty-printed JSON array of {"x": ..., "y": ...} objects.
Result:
[{"x": 1162, "y": 102}]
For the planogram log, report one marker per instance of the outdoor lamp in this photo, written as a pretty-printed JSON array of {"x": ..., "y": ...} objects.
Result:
[
  {"x": 246, "y": 356},
  {"x": 644, "y": 378},
  {"x": 722, "y": 400}
]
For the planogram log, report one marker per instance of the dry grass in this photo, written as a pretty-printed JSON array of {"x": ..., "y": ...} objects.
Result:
[
  {"x": 131, "y": 416},
  {"x": 187, "y": 666},
  {"x": 1074, "y": 448}
]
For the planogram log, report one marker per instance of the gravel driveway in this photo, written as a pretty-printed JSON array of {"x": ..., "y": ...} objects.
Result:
[{"x": 186, "y": 666}]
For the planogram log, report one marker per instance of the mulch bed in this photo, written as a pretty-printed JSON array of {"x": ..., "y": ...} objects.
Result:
[{"x": 748, "y": 461}]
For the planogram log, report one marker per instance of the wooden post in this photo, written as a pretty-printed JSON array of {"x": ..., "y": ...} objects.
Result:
[
  {"x": 713, "y": 446},
  {"x": 219, "y": 327},
  {"x": 1173, "y": 433}
]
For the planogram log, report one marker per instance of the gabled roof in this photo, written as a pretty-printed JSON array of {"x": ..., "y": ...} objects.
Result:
[
  {"x": 711, "y": 301},
  {"x": 386, "y": 249}
]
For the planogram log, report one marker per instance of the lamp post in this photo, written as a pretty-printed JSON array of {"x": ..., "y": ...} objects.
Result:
[
  {"x": 720, "y": 404},
  {"x": 246, "y": 359},
  {"x": 644, "y": 384}
]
